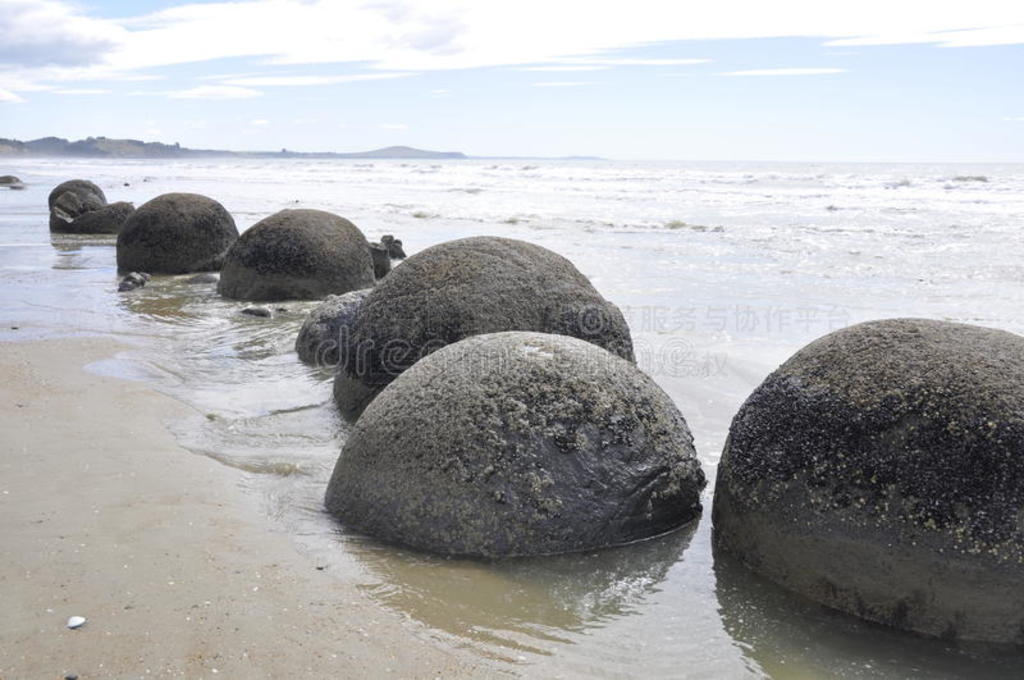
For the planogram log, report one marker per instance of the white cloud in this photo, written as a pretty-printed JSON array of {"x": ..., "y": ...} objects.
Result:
[
  {"x": 10, "y": 97},
  {"x": 563, "y": 83},
  {"x": 291, "y": 81},
  {"x": 259, "y": 122},
  {"x": 41, "y": 33},
  {"x": 562, "y": 68},
  {"x": 212, "y": 92},
  {"x": 44, "y": 41},
  {"x": 393, "y": 126},
  {"x": 440, "y": 93},
  {"x": 82, "y": 91},
  {"x": 786, "y": 72},
  {"x": 1015, "y": 119},
  {"x": 637, "y": 62}
]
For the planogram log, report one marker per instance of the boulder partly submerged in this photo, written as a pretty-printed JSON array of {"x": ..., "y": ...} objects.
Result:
[
  {"x": 72, "y": 199},
  {"x": 176, "y": 234},
  {"x": 518, "y": 444},
  {"x": 468, "y": 287},
  {"x": 327, "y": 329},
  {"x": 880, "y": 471},
  {"x": 106, "y": 220},
  {"x": 297, "y": 255}
]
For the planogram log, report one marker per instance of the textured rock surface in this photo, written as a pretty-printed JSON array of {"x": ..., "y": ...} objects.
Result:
[
  {"x": 518, "y": 443},
  {"x": 473, "y": 286},
  {"x": 106, "y": 220},
  {"x": 297, "y": 254},
  {"x": 73, "y": 199},
  {"x": 327, "y": 329},
  {"x": 880, "y": 471},
  {"x": 176, "y": 234}
]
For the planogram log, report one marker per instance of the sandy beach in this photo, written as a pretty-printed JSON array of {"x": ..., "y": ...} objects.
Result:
[{"x": 178, "y": 575}]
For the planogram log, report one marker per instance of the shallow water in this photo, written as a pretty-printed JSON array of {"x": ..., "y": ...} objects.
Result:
[{"x": 723, "y": 270}]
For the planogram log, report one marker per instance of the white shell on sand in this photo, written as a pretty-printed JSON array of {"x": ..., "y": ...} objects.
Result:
[{"x": 76, "y": 622}]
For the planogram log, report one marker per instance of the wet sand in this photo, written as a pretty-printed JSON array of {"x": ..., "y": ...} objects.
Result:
[{"x": 103, "y": 515}]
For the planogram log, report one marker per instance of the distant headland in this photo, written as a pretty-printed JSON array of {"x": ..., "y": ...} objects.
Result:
[{"x": 104, "y": 147}]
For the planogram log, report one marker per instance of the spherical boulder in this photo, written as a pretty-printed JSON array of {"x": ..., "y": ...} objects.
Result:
[
  {"x": 326, "y": 330},
  {"x": 880, "y": 471},
  {"x": 473, "y": 286},
  {"x": 518, "y": 444},
  {"x": 297, "y": 254},
  {"x": 73, "y": 199},
  {"x": 176, "y": 234},
  {"x": 106, "y": 220}
]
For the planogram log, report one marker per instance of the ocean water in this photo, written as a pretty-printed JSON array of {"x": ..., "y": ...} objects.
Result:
[{"x": 723, "y": 271}]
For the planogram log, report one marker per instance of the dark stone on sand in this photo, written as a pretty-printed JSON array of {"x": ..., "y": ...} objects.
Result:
[
  {"x": 297, "y": 255},
  {"x": 472, "y": 286},
  {"x": 258, "y": 311},
  {"x": 10, "y": 181},
  {"x": 518, "y": 444},
  {"x": 325, "y": 332},
  {"x": 132, "y": 281},
  {"x": 73, "y": 199},
  {"x": 880, "y": 471},
  {"x": 176, "y": 234},
  {"x": 106, "y": 220}
]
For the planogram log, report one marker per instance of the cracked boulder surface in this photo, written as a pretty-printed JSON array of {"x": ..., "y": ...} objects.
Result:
[
  {"x": 880, "y": 471},
  {"x": 518, "y": 443}
]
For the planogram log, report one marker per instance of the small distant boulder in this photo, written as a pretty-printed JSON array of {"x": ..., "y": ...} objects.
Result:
[
  {"x": 518, "y": 444},
  {"x": 72, "y": 199},
  {"x": 106, "y": 220},
  {"x": 381, "y": 260},
  {"x": 394, "y": 247},
  {"x": 297, "y": 255},
  {"x": 382, "y": 253},
  {"x": 176, "y": 234},
  {"x": 11, "y": 182},
  {"x": 325, "y": 332}
]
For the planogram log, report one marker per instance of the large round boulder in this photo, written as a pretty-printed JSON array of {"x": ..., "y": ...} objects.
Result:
[
  {"x": 106, "y": 220},
  {"x": 880, "y": 471},
  {"x": 297, "y": 255},
  {"x": 518, "y": 444},
  {"x": 467, "y": 287},
  {"x": 176, "y": 234},
  {"x": 72, "y": 199},
  {"x": 327, "y": 329}
]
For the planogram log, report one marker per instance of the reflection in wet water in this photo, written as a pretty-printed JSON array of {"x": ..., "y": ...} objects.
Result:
[
  {"x": 523, "y": 604},
  {"x": 791, "y": 637}
]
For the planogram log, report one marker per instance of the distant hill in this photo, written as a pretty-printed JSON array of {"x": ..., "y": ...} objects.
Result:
[{"x": 103, "y": 147}]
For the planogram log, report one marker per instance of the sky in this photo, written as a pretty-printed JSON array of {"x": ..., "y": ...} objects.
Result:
[{"x": 670, "y": 79}]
